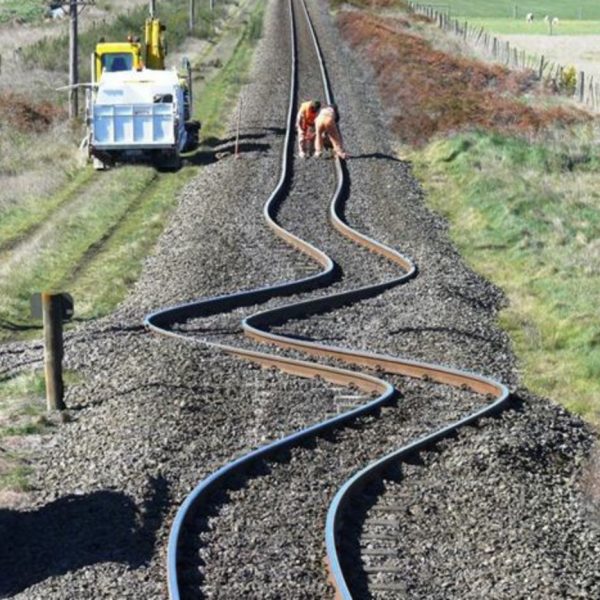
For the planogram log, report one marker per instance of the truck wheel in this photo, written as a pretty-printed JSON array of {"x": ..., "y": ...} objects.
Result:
[
  {"x": 99, "y": 165},
  {"x": 169, "y": 162}
]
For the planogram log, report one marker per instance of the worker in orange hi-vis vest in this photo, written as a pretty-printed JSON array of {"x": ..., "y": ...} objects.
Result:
[
  {"x": 305, "y": 126},
  {"x": 327, "y": 131}
]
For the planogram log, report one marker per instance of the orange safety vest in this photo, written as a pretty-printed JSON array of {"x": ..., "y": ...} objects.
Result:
[{"x": 306, "y": 117}]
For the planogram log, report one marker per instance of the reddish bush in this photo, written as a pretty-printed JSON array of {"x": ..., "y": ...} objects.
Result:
[
  {"x": 427, "y": 91},
  {"x": 22, "y": 114}
]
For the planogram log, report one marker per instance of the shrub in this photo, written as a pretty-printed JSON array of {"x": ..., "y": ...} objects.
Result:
[{"x": 568, "y": 80}]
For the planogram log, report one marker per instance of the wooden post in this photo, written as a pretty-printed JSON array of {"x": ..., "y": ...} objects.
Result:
[
  {"x": 581, "y": 85},
  {"x": 73, "y": 58},
  {"x": 53, "y": 350},
  {"x": 541, "y": 69},
  {"x": 212, "y": 5},
  {"x": 152, "y": 8}
]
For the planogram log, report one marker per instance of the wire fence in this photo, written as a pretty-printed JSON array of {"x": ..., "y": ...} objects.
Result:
[{"x": 563, "y": 79}]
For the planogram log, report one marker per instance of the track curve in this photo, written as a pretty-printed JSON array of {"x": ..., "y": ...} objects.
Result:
[{"x": 257, "y": 327}]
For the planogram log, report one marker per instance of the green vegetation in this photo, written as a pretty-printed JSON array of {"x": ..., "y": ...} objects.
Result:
[
  {"x": 538, "y": 239},
  {"x": 22, "y": 404},
  {"x": 107, "y": 222},
  {"x": 106, "y": 275},
  {"x": 52, "y": 54},
  {"x": 511, "y": 26},
  {"x": 222, "y": 92},
  {"x": 23, "y": 10},
  {"x": 22, "y": 412},
  {"x": 503, "y": 9},
  {"x": 18, "y": 220}
]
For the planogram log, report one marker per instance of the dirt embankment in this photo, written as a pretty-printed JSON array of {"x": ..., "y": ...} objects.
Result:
[{"x": 429, "y": 92}]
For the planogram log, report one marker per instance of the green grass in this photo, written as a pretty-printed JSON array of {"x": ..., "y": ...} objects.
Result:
[
  {"x": 80, "y": 231},
  {"x": 488, "y": 9},
  {"x": 23, "y": 404},
  {"x": 20, "y": 219},
  {"x": 115, "y": 217},
  {"x": 222, "y": 92},
  {"x": 24, "y": 10},
  {"x": 16, "y": 478},
  {"x": 105, "y": 280},
  {"x": 527, "y": 216},
  {"x": 519, "y": 26}
]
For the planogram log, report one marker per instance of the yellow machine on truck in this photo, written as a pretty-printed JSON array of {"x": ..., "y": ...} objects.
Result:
[
  {"x": 132, "y": 55},
  {"x": 136, "y": 107}
]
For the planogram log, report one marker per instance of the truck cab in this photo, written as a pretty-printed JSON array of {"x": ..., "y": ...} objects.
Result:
[
  {"x": 132, "y": 55},
  {"x": 117, "y": 56}
]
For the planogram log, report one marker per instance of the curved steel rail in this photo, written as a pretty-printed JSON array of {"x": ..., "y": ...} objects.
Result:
[{"x": 255, "y": 327}]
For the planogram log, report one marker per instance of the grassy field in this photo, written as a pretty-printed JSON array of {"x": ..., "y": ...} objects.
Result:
[
  {"x": 508, "y": 16},
  {"x": 503, "y": 9},
  {"x": 24, "y": 10},
  {"x": 520, "y": 26},
  {"x": 527, "y": 216}
]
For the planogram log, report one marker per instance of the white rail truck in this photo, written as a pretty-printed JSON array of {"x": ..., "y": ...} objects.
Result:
[{"x": 137, "y": 114}]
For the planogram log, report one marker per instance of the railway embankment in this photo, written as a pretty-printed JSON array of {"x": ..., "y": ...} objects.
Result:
[{"x": 513, "y": 166}]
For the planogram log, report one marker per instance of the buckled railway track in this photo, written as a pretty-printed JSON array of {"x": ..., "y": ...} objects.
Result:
[{"x": 259, "y": 327}]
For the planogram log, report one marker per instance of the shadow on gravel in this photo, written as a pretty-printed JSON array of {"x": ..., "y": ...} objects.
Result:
[
  {"x": 375, "y": 155},
  {"x": 77, "y": 531},
  {"x": 203, "y": 158},
  {"x": 213, "y": 142}
]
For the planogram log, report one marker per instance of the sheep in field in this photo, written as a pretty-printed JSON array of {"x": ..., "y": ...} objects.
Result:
[
  {"x": 555, "y": 21},
  {"x": 529, "y": 17}
]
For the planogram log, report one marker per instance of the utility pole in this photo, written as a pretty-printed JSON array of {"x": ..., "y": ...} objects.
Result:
[
  {"x": 73, "y": 58},
  {"x": 192, "y": 14}
]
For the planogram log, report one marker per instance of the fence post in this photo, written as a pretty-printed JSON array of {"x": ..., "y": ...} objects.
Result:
[
  {"x": 581, "y": 86},
  {"x": 541, "y": 69},
  {"x": 53, "y": 349}
]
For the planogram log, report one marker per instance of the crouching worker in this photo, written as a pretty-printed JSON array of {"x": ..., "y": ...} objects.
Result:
[
  {"x": 327, "y": 132},
  {"x": 305, "y": 126}
]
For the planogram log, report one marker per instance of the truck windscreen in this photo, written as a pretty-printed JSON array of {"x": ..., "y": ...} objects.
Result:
[{"x": 122, "y": 61}]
